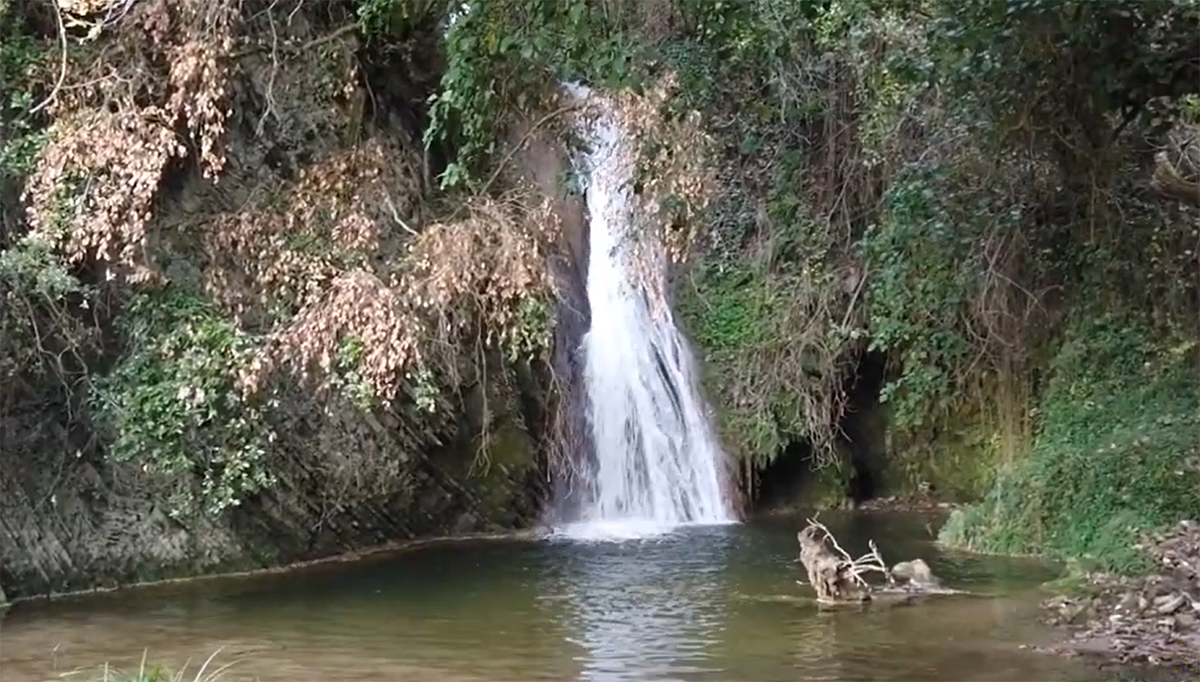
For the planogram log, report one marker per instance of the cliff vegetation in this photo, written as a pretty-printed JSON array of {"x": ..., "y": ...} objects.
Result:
[
  {"x": 955, "y": 255},
  {"x": 241, "y": 325},
  {"x": 282, "y": 279},
  {"x": 285, "y": 277}
]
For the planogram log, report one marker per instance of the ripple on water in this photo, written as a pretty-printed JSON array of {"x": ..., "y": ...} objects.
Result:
[{"x": 624, "y": 530}]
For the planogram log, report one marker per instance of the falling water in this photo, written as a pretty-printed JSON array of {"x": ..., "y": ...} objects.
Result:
[{"x": 657, "y": 461}]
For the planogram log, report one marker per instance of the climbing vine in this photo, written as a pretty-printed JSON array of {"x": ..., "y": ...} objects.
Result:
[{"x": 174, "y": 408}]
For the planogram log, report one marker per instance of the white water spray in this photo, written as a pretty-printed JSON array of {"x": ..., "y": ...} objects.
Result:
[{"x": 657, "y": 463}]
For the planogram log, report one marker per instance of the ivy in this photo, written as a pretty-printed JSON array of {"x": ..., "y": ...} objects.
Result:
[
  {"x": 347, "y": 377},
  {"x": 21, "y": 136},
  {"x": 923, "y": 271},
  {"x": 532, "y": 334},
  {"x": 173, "y": 405}
]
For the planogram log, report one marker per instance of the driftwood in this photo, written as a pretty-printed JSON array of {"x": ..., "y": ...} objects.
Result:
[
  {"x": 839, "y": 580},
  {"x": 834, "y": 575}
]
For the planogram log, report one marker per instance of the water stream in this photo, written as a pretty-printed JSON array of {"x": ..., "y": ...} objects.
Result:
[
  {"x": 657, "y": 461},
  {"x": 701, "y": 604}
]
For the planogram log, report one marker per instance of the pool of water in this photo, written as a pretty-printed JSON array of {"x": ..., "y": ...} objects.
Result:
[{"x": 702, "y": 604}]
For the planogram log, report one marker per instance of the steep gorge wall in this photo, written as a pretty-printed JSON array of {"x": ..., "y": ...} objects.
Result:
[{"x": 290, "y": 352}]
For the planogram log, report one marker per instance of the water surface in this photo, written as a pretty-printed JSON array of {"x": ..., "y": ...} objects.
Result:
[{"x": 705, "y": 604}]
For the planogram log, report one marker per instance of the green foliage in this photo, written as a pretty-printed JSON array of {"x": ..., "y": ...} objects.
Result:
[
  {"x": 737, "y": 311},
  {"x": 376, "y": 17},
  {"x": 21, "y": 138},
  {"x": 532, "y": 333},
  {"x": 924, "y": 269},
  {"x": 347, "y": 375},
  {"x": 424, "y": 390},
  {"x": 1117, "y": 455},
  {"x": 47, "y": 319},
  {"x": 731, "y": 316},
  {"x": 32, "y": 268},
  {"x": 43, "y": 322},
  {"x": 769, "y": 322},
  {"x": 1032, "y": 53},
  {"x": 505, "y": 58},
  {"x": 174, "y": 406}
]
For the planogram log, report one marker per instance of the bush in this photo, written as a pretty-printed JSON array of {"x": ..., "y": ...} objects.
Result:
[
  {"x": 1116, "y": 457},
  {"x": 173, "y": 403}
]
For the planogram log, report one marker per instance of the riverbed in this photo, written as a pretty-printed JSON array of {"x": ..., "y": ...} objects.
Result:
[{"x": 701, "y": 604}]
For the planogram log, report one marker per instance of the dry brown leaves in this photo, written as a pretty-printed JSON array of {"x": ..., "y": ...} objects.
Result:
[
  {"x": 95, "y": 182},
  {"x": 357, "y": 304},
  {"x": 457, "y": 278},
  {"x": 92, "y": 190},
  {"x": 195, "y": 37},
  {"x": 291, "y": 253},
  {"x": 148, "y": 92},
  {"x": 492, "y": 259},
  {"x": 678, "y": 176}
]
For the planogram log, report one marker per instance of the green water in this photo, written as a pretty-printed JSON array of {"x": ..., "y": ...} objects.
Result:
[{"x": 702, "y": 604}]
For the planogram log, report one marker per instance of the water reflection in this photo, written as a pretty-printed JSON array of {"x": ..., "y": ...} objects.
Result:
[{"x": 648, "y": 609}]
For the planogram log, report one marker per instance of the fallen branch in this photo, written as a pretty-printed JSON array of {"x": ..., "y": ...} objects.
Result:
[{"x": 834, "y": 574}]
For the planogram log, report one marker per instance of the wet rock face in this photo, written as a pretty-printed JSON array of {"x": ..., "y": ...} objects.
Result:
[
  {"x": 1154, "y": 619},
  {"x": 69, "y": 524}
]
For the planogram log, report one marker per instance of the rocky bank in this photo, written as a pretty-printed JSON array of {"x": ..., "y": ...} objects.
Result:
[{"x": 1149, "y": 620}]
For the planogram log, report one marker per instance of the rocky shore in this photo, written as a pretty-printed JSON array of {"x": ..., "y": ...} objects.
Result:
[
  {"x": 906, "y": 503},
  {"x": 1151, "y": 620}
]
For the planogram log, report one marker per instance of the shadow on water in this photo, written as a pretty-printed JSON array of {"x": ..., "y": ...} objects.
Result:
[{"x": 703, "y": 604}]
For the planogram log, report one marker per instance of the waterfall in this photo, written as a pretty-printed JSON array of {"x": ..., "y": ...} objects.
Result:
[{"x": 657, "y": 461}]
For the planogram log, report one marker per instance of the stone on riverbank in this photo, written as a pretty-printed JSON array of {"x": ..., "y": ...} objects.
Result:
[{"x": 1150, "y": 620}]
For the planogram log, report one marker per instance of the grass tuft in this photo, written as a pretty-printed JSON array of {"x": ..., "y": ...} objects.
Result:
[{"x": 146, "y": 672}]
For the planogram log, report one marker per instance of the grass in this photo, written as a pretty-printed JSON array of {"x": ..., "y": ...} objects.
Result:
[{"x": 207, "y": 672}]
